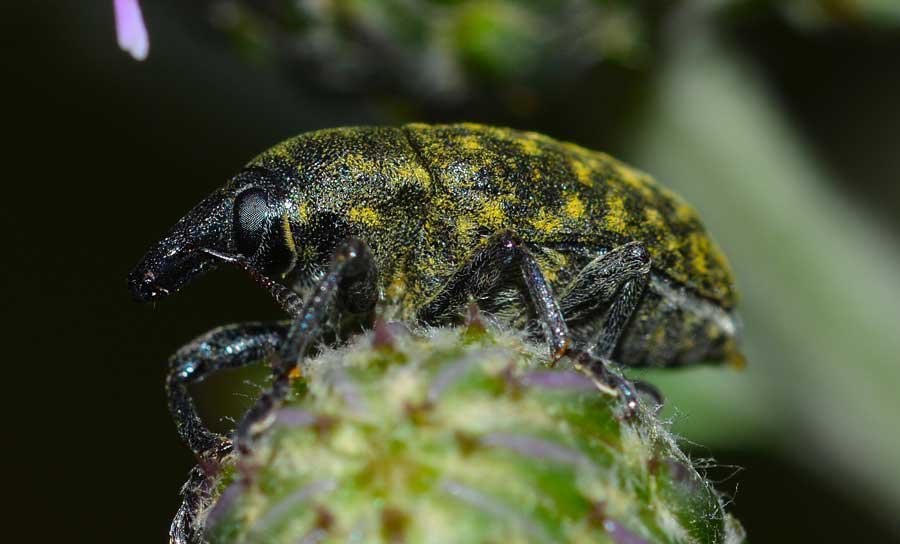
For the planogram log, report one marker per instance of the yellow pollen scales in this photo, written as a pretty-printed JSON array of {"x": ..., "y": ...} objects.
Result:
[
  {"x": 492, "y": 214},
  {"x": 470, "y": 143},
  {"x": 357, "y": 162},
  {"x": 654, "y": 219},
  {"x": 303, "y": 212},
  {"x": 582, "y": 172},
  {"x": 547, "y": 222},
  {"x": 465, "y": 227},
  {"x": 615, "y": 218},
  {"x": 367, "y": 216},
  {"x": 699, "y": 251},
  {"x": 412, "y": 172},
  {"x": 397, "y": 287},
  {"x": 633, "y": 180},
  {"x": 288, "y": 235},
  {"x": 574, "y": 207},
  {"x": 530, "y": 147},
  {"x": 685, "y": 213}
]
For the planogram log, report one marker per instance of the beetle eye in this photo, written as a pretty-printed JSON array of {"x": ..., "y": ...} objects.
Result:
[
  {"x": 252, "y": 215},
  {"x": 258, "y": 232}
]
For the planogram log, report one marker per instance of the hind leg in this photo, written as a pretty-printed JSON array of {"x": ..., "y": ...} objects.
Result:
[
  {"x": 502, "y": 258},
  {"x": 615, "y": 283}
]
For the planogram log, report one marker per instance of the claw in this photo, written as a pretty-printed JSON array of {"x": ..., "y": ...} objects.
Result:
[
  {"x": 614, "y": 385},
  {"x": 650, "y": 390},
  {"x": 587, "y": 364},
  {"x": 561, "y": 352}
]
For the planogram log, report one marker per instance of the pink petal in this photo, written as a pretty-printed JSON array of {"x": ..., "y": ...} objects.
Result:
[{"x": 130, "y": 30}]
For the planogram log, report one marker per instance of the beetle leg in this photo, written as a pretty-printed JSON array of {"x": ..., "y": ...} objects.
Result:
[
  {"x": 615, "y": 281},
  {"x": 288, "y": 299},
  {"x": 351, "y": 279},
  {"x": 231, "y": 346},
  {"x": 487, "y": 269},
  {"x": 198, "y": 494},
  {"x": 651, "y": 391}
]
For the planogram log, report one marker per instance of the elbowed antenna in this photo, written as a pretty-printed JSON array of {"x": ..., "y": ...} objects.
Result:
[{"x": 179, "y": 256}]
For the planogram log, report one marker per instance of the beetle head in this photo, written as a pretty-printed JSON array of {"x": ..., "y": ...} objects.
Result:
[{"x": 244, "y": 218}]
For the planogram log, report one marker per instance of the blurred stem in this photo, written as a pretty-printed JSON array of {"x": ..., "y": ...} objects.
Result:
[{"x": 821, "y": 300}]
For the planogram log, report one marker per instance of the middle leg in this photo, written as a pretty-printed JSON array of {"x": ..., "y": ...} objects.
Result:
[{"x": 487, "y": 269}]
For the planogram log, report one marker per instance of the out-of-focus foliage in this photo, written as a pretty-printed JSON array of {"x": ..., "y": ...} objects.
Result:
[
  {"x": 827, "y": 13},
  {"x": 820, "y": 282},
  {"x": 442, "y": 52}
]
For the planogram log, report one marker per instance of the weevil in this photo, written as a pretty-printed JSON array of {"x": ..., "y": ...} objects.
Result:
[{"x": 414, "y": 222}]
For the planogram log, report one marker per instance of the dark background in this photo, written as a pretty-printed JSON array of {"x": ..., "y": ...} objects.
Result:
[{"x": 103, "y": 154}]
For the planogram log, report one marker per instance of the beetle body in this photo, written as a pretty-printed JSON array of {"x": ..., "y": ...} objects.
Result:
[
  {"x": 412, "y": 220},
  {"x": 424, "y": 198}
]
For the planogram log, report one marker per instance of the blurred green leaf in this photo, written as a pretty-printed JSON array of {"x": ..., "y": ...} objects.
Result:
[
  {"x": 441, "y": 52},
  {"x": 821, "y": 282},
  {"x": 817, "y": 14}
]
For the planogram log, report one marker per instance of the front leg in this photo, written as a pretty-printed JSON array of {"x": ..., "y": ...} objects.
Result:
[
  {"x": 231, "y": 346},
  {"x": 352, "y": 282},
  {"x": 352, "y": 277},
  {"x": 486, "y": 270}
]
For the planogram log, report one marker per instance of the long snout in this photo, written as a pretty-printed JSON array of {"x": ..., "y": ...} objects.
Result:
[
  {"x": 179, "y": 257},
  {"x": 160, "y": 274}
]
